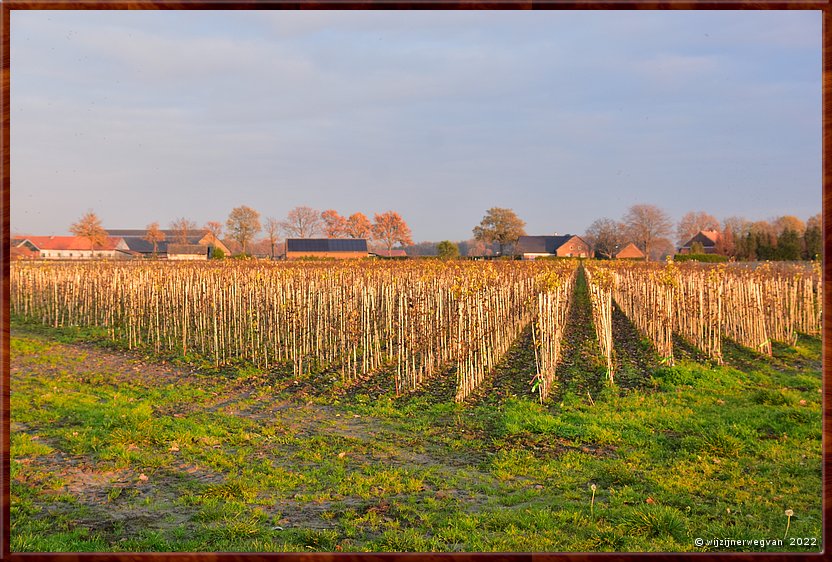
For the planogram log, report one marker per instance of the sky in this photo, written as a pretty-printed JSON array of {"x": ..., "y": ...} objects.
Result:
[{"x": 563, "y": 116}]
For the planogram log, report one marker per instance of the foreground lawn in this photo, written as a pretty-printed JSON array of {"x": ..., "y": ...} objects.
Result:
[{"x": 117, "y": 452}]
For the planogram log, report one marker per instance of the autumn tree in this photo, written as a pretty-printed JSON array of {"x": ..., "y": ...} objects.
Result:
[
  {"x": 813, "y": 238},
  {"x": 302, "y": 222},
  {"x": 182, "y": 228},
  {"x": 359, "y": 226},
  {"x": 761, "y": 241},
  {"x": 726, "y": 243},
  {"x": 154, "y": 235},
  {"x": 605, "y": 236},
  {"x": 272, "y": 230},
  {"x": 692, "y": 223},
  {"x": 242, "y": 225},
  {"x": 502, "y": 226},
  {"x": 447, "y": 250},
  {"x": 645, "y": 224},
  {"x": 214, "y": 228},
  {"x": 390, "y": 228},
  {"x": 89, "y": 227},
  {"x": 335, "y": 226},
  {"x": 789, "y": 222}
]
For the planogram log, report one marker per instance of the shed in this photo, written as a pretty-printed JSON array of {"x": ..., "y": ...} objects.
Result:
[{"x": 339, "y": 248}]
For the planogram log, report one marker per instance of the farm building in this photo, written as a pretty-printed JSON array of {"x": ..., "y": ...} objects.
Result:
[
  {"x": 140, "y": 247},
  {"x": 22, "y": 248},
  {"x": 76, "y": 247},
  {"x": 187, "y": 252},
  {"x": 629, "y": 252},
  {"x": 567, "y": 245},
  {"x": 326, "y": 248},
  {"x": 389, "y": 253},
  {"x": 707, "y": 238}
]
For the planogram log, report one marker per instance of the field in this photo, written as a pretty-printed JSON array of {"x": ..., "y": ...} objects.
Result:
[{"x": 414, "y": 407}]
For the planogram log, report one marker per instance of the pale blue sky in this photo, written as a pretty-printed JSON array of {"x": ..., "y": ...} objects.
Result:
[{"x": 565, "y": 117}]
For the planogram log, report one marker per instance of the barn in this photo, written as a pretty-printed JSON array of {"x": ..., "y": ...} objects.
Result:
[
  {"x": 567, "y": 245},
  {"x": 338, "y": 248}
]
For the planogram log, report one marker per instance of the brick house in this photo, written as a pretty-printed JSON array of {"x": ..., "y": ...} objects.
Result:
[
  {"x": 629, "y": 252},
  {"x": 707, "y": 238},
  {"x": 567, "y": 245}
]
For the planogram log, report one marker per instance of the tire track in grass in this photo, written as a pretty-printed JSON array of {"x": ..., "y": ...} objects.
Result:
[
  {"x": 582, "y": 369},
  {"x": 633, "y": 355}
]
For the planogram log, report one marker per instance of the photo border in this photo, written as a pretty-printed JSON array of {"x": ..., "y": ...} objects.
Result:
[{"x": 9, "y": 5}]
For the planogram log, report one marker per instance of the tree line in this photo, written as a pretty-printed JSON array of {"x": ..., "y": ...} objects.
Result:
[
  {"x": 647, "y": 226},
  {"x": 244, "y": 224}
]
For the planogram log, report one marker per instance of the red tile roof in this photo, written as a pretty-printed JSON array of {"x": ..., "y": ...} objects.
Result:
[{"x": 71, "y": 243}]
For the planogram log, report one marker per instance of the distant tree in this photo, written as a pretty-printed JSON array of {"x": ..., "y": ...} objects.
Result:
[
  {"x": 604, "y": 236},
  {"x": 335, "y": 226},
  {"x": 359, "y": 226},
  {"x": 813, "y": 238},
  {"x": 761, "y": 241},
  {"x": 739, "y": 228},
  {"x": 217, "y": 254},
  {"x": 214, "y": 228},
  {"x": 501, "y": 226},
  {"x": 697, "y": 248},
  {"x": 243, "y": 225},
  {"x": 692, "y": 223},
  {"x": 646, "y": 223},
  {"x": 302, "y": 222},
  {"x": 389, "y": 228},
  {"x": 272, "y": 230},
  {"x": 725, "y": 244},
  {"x": 182, "y": 227},
  {"x": 154, "y": 235},
  {"x": 660, "y": 248},
  {"x": 788, "y": 222},
  {"x": 789, "y": 245},
  {"x": 447, "y": 250},
  {"x": 89, "y": 227},
  {"x": 477, "y": 248}
]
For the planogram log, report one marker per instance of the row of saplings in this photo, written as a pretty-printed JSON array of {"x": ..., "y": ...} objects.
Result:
[{"x": 417, "y": 317}]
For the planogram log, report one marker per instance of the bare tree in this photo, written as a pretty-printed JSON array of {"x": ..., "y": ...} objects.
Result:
[
  {"x": 645, "y": 224},
  {"x": 390, "y": 228},
  {"x": 272, "y": 230},
  {"x": 214, "y": 228},
  {"x": 89, "y": 227},
  {"x": 154, "y": 235},
  {"x": 692, "y": 223},
  {"x": 242, "y": 225},
  {"x": 301, "y": 222},
  {"x": 359, "y": 226},
  {"x": 502, "y": 226},
  {"x": 182, "y": 226},
  {"x": 605, "y": 236}
]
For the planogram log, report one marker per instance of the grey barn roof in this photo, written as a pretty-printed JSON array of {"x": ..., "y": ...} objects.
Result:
[
  {"x": 541, "y": 244},
  {"x": 326, "y": 245}
]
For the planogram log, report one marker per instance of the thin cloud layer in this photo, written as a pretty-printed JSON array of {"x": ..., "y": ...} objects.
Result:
[{"x": 563, "y": 116}]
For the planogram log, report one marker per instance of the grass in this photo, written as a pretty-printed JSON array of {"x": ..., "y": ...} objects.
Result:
[{"x": 115, "y": 451}]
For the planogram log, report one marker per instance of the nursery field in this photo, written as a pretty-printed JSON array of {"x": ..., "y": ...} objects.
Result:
[{"x": 415, "y": 407}]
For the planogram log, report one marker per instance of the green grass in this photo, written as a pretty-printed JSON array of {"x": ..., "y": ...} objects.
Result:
[{"x": 234, "y": 461}]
